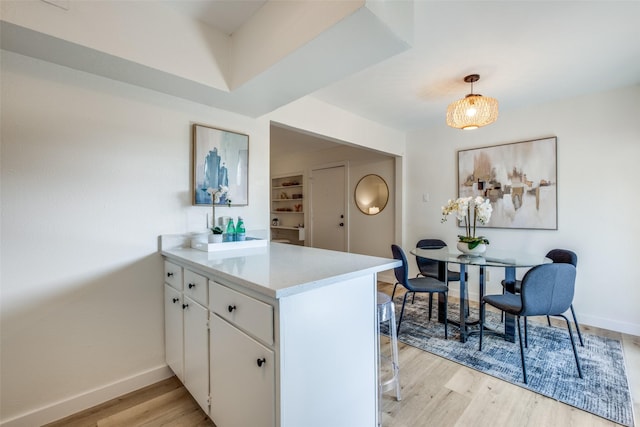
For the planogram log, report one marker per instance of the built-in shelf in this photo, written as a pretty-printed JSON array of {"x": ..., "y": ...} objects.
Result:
[
  {"x": 286, "y": 186},
  {"x": 287, "y": 191}
]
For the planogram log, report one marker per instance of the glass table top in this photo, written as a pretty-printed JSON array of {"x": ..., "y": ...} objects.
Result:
[{"x": 491, "y": 258}]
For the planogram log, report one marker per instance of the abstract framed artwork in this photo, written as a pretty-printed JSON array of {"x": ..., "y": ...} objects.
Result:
[
  {"x": 520, "y": 180},
  {"x": 220, "y": 158}
]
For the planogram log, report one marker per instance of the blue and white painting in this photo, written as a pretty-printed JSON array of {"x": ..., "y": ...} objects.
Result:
[{"x": 220, "y": 158}]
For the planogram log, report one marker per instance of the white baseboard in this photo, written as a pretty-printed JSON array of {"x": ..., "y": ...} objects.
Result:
[
  {"x": 611, "y": 325},
  {"x": 86, "y": 400}
]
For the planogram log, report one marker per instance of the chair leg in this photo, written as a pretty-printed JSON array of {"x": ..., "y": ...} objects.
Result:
[
  {"x": 524, "y": 367},
  {"x": 575, "y": 321},
  {"x": 526, "y": 333},
  {"x": 445, "y": 316},
  {"x": 404, "y": 301},
  {"x": 573, "y": 345},
  {"x": 414, "y": 298},
  {"x": 394, "y": 291},
  {"x": 430, "y": 304},
  {"x": 549, "y": 320}
]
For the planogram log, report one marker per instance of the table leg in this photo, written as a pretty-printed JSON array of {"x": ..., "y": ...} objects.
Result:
[
  {"x": 509, "y": 319},
  {"x": 443, "y": 267},
  {"x": 463, "y": 304}
]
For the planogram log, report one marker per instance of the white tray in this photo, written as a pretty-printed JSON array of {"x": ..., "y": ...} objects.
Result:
[{"x": 225, "y": 246}]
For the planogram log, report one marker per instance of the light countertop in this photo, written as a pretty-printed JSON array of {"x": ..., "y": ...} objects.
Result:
[{"x": 278, "y": 270}]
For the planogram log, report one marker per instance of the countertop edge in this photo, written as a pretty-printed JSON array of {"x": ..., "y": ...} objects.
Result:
[{"x": 378, "y": 265}]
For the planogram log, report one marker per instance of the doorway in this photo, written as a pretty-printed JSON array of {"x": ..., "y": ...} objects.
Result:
[{"x": 300, "y": 151}]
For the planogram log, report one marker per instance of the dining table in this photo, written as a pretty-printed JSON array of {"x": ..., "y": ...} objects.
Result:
[{"x": 509, "y": 260}]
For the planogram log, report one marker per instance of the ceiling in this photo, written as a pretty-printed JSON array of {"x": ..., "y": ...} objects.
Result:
[
  {"x": 224, "y": 15},
  {"x": 527, "y": 53}
]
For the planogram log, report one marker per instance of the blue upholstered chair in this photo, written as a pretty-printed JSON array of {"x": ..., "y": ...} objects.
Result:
[
  {"x": 429, "y": 285},
  {"x": 545, "y": 290},
  {"x": 428, "y": 267},
  {"x": 557, "y": 256}
]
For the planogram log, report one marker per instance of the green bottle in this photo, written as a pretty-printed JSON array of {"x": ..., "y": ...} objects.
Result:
[
  {"x": 230, "y": 234},
  {"x": 241, "y": 233}
]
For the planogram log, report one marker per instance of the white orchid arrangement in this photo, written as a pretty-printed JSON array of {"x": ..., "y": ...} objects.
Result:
[
  {"x": 218, "y": 193},
  {"x": 216, "y": 196},
  {"x": 463, "y": 207}
]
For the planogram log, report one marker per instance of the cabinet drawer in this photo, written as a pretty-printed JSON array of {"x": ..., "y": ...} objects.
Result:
[
  {"x": 173, "y": 275},
  {"x": 245, "y": 312},
  {"x": 195, "y": 287}
]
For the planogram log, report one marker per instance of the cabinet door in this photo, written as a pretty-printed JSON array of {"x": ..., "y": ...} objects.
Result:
[
  {"x": 242, "y": 378},
  {"x": 196, "y": 352},
  {"x": 173, "y": 334}
]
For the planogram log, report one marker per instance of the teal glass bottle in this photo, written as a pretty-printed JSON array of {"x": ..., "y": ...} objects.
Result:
[
  {"x": 241, "y": 233},
  {"x": 230, "y": 234}
]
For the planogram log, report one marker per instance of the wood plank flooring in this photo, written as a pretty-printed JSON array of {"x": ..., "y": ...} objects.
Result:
[{"x": 435, "y": 392}]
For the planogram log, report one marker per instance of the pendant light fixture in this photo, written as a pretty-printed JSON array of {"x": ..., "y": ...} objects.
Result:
[{"x": 472, "y": 111}]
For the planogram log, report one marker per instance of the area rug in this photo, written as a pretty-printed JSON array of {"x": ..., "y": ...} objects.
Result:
[{"x": 551, "y": 368}]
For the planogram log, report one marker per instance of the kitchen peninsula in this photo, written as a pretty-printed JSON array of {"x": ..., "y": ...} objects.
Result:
[{"x": 279, "y": 335}]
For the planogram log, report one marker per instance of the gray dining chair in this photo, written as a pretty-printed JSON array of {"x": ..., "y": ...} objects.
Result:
[
  {"x": 429, "y": 285},
  {"x": 429, "y": 267},
  {"x": 557, "y": 256},
  {"x": 545, "y": 290}
]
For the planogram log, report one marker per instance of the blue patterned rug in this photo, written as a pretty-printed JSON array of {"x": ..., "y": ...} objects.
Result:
[{"x": 551, "y": 368}]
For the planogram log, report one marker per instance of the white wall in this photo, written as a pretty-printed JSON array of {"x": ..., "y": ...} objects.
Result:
[
  {"x": 93, "y": 170},
  {"x": 598, "y": 151}
]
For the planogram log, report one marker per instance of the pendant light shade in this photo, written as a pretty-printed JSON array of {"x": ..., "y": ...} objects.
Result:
[{"x": 472, "y": 111}]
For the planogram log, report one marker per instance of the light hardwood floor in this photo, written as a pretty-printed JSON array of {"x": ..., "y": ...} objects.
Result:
[{"x": 435, "y": 392}]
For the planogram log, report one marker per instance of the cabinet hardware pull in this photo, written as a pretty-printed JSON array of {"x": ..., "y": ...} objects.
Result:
[
  {"x": 231, "y": 308},
  {"x": 185, "y": 306},
  {"x": 192, "y": 285},
  {"x": 261, "y": 361},
  {"x": 169, "y": 274},
  {"x": 175, "y": 300}
]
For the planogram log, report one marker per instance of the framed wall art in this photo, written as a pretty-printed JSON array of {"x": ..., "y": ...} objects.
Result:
[
  {"x": 520, "y": 180},
  {"x": 220, "y": 158}
]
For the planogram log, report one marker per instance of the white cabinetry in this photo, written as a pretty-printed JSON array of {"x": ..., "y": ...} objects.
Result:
[
  {"x": 286, "y": 360},
  {"x": 287, "y": 208},
  {"x": 186, "y": 330}
]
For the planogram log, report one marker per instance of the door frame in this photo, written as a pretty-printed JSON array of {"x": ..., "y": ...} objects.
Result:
[{"x": 345, "y": 165}]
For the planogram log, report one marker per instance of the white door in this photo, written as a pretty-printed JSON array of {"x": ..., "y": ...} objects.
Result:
[
  {"x": 173, "y": 329},
  {"x": 242, "y": 378},
  {"x": 196, "y": 352},
  {"x": 328, "y": 209}
]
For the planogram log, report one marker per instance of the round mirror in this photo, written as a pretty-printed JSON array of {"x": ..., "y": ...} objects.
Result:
[{"x": 372, "y": 194}]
